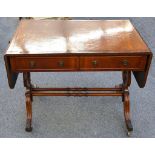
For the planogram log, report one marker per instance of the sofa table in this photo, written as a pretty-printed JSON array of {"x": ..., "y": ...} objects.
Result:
[{"x": 77, "y": 46}]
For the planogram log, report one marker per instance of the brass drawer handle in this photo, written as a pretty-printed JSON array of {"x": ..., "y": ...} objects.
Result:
[
  {"x": 32, "y": 64},
  {"x": 61, "y": 63},
  {"x": 125, "y": 62},
  {"x": 94, "y": 63}
]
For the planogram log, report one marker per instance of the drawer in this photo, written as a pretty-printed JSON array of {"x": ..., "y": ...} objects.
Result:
[
  {"x": 113, "y": 62},
  {"x": 44, "y": 63}
]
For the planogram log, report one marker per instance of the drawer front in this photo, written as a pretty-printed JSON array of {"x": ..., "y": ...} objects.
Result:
[
  {"x": 44, "y": 63},
  {"x": 112, "y": 62}
]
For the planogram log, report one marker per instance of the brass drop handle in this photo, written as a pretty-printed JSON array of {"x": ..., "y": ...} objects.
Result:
[
  {"x": 61, "y": 63},
  {"x": 94, "y": 63},
  {"x": 32, "y": 64},
  {"x": 125, "y": 62}
]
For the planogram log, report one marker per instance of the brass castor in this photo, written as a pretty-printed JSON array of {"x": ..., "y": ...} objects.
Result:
[
  {"x": 129, "y": 128},
  {"x": 28, "y": 129},
  {"x": 129, "y": 133}
]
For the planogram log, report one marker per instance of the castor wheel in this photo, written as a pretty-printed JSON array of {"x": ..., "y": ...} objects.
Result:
[
  {"x": 28, "y": 129},
  {"x": 129, "y": 128},
  {"x": 28, "y": 126},
  {"x": 129, "y": 133}
]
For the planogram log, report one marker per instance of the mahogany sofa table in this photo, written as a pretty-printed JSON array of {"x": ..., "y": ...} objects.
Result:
[{"x": 73, "y": 46}]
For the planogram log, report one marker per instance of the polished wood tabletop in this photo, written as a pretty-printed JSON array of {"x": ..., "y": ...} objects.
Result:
[{"x": 76, "y": 36}]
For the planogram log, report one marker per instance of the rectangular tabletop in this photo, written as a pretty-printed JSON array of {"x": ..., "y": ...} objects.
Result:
[
  {"x": 76, "y": 36},
  {"x": 79, "y": 38}
]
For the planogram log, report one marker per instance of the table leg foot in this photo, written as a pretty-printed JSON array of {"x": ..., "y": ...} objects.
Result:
[
  {"x": 127, "y": 113},
  {"x": 28, "y": 125},
  {"x": 129, "y": 125},
  {"x": 29, "y": 113},
  {"x": 129, "y": 133}
]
